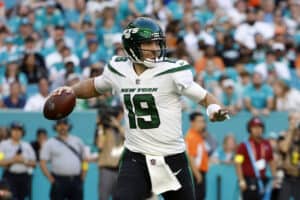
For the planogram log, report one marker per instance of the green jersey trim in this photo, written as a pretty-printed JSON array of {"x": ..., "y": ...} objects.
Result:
[
  {"x": 173, "y": 70},
  {"x": 113, "y": 70}
]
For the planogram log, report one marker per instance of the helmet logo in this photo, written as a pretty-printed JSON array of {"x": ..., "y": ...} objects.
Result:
[
  {"x": 127, "y": 33},
  {"x": 156, "y": 35}
]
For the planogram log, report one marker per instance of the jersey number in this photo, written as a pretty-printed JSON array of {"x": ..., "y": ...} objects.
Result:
[{"x": 142, "y": 105}]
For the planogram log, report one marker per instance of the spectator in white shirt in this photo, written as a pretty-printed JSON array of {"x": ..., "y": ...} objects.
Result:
[
  {"x": 193, "y": 36},
  {"x": 247, "y": 31},
  {"x": 238, "y": 13},
  {"x": 69, "y": 68},
  {"x": 272, "y": 69},
  {"x": 58, "y": 34},
  {"x": 286, "y": 98},
  {"x": 56, "y": 60},
  {"x": 36, "y": 102}
]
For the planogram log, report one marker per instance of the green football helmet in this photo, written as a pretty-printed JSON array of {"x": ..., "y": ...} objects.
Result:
[{"x": 142, "y": 30}]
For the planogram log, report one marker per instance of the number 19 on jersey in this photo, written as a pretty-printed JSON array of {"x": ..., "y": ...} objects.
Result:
[{"x": 140, "y": 107}]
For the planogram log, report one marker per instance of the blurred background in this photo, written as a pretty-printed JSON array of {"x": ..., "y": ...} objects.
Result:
[{"x": 234, "y": 46}]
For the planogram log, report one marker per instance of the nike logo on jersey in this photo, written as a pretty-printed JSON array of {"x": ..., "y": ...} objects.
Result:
[{"x": 177, "y": 172}]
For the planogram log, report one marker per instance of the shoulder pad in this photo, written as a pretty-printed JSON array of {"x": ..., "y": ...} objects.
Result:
[
  {"x": 176, "y": 66},
  {"x": 181, "y": 63},
  {"x": 176, "y": 62},
  {"x": 118, "y": 65}
]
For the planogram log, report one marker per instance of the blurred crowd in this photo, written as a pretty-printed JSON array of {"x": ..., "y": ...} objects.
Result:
[{"x": 246, "y": 52}]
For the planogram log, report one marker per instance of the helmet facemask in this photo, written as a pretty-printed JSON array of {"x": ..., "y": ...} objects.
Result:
[
  {"x": 158, "y": 55},
  {"x": 141, "y": 31}
]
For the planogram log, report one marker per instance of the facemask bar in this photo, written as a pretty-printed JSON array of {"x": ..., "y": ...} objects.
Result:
[{"x": 159, "y": 58}]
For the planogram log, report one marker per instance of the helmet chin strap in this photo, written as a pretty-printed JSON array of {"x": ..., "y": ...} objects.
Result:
[
  {"x": 149, "y": 63},
  {"x": 152, "y": 63}
]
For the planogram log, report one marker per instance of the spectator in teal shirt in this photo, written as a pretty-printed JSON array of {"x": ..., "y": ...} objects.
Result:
[
  {"x": 131, "y": 7},
  {"x": 229, "y": 96},
  {"x": 209, "y": 13},
  {"x": 10, "y": 51},
  {"x": 12, "y": 74},
  {"x": 258, "y": 96},
  {"x": 108, "y": 28},
  {"x": 225, "y": 153},
  {"x": 50, "y": 16},
  {"x": 76, "y": 16},
  {"x": 15, "y": 21},
  {"x": 25, "y": 30},
  {"x": 177, "y": 9},
  {"x": 58, "y": 34},
  {"x": 88, "y": 33},
  {"x": 95, "y": 53}
]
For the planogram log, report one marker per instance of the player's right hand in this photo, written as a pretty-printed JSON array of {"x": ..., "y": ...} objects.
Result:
[
  {"x": 220, "y": 115},
  {"x": 62, "y": 89}
]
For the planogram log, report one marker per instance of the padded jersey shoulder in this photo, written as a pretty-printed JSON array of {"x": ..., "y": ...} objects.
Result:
[
  {"x": 119, "y": 65},
  {"x": 172, "y": 66}
]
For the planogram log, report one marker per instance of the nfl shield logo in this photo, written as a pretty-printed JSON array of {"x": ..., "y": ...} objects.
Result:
[{"x": 137, "y": 81}]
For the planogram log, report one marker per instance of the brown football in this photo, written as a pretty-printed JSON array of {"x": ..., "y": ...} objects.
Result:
[{"x": 59, "y": 106}]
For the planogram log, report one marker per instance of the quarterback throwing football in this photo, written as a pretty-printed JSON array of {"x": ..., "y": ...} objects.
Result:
[{"x": 150, "y": 86}]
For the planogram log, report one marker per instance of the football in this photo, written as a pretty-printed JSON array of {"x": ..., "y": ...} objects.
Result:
[{"x": 59, "y": 106}]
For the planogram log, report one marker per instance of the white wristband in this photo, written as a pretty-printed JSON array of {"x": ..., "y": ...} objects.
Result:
[{"x": 212, "y": 108}]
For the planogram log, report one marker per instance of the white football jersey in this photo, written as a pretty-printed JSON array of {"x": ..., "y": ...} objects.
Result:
[{"x": 151, "y": 103}]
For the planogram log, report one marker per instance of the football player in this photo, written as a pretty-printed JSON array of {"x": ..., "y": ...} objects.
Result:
[{"x": 150, "y": 86}]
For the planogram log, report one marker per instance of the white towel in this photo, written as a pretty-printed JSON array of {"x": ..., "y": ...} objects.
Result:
[{"x": 162, "y": 178}]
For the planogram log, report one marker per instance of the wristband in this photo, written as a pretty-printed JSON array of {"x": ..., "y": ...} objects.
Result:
[{"x": 212, "y": 108}]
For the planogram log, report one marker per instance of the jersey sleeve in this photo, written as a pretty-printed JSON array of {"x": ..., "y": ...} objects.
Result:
[
  {"x": 195, "y": 92},
  {"x": 104, "y": 82},
  {"x": 186, "y": 86},
  {"x": 82, "y": 149},
  {"x": 31, "y": 154},
  {"x": 45, "y": 153},
  {"x": 183, "y": 79}
]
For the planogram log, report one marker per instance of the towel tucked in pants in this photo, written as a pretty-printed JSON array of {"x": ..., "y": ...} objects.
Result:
[{"x": 134, "y": 181}]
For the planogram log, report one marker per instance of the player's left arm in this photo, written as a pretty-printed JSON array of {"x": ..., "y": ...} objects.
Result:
[
  {"x": 186, "y": 86},
  {"x": 214, "y": 108}
]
